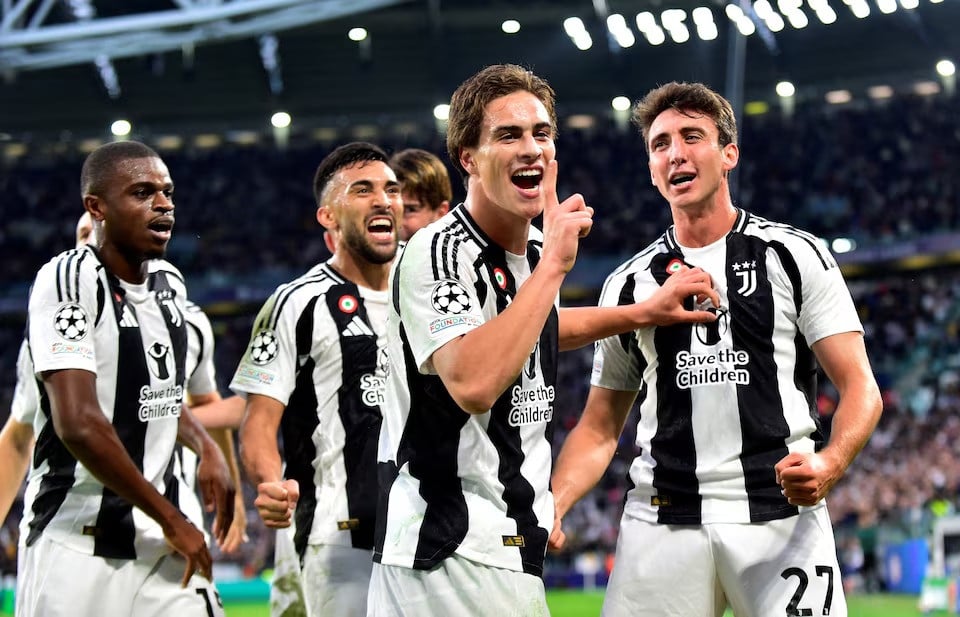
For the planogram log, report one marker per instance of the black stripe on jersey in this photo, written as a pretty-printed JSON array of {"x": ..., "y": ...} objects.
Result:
[
  {"x": 673, "y": 446},
  {"x": 65, "y": 268},
  {"x": 297, "y": 427},
  {"x": 518, "y": 493},
  {"x": 628, "y": 340},
  {"x": 360, "y": 415},
  {"x": 429, "y": 445},
  {"x": 764, "y": 429},
  {"x": 116, "y": 530},
  {"x": 101, "y": 297},
  {"x": 824, "y": 256}
]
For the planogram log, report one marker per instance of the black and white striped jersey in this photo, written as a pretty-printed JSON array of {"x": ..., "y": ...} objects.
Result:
[
  {"x": 722, "y": 403},
  {"x": 318, "y": 347},
  {"x": 452, "y": 482},
  {"x": 133, "y": 337},
  {"x": 201, "y": 379}
]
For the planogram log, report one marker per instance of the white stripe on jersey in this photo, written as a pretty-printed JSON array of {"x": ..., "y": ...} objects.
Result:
[{"x": 722, "y": 403}]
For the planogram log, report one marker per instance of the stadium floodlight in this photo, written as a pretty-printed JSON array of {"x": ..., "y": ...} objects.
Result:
[
  {"x": 620, "y": 103},
  {"x": 646, "y": 22},
  {"x": 843, "y": 245},
  {"x": 510, "y": 26},
  {"x": 785, "y": 89},
  {"x": 280, "y": 120},
  {"x": 583, "y": 41},
  {"x": 882, "y": 91},
  {"x": 573, "y": 26},
  {"x": 655, "y": 36},
  {"x": 926, "y": 88},
  {"x": 838, "y": 97},
  {"x": 887, "y": 6},
  {"x": 859, "y": 8},
  {"x": 946, "y": 68},
  {"x": 357, "y": 34},
  {"x": 909, "y": 4},
  {"x": 121, "y": 128},
  {"x": 620, "y": 31},
  {"x": 442, "y": 111}
]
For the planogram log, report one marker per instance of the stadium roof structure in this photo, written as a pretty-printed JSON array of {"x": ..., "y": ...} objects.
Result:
[{"x": 78, "y": 65}]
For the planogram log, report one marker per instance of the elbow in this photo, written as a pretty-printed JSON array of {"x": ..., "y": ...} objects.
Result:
[{"x": 473, "y": 396}]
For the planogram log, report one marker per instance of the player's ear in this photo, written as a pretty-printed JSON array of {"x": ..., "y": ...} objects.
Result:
[
  {"x": 325, "y": 217},
  {"x": 95, "y": 206},
  {"x": 467, "y": 161},
  {"x": 731, "y": 156}
]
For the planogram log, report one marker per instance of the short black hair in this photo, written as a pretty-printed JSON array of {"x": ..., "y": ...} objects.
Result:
[
  {"x": 344, "y": 156},
  {"x": 100, "y": 163}
]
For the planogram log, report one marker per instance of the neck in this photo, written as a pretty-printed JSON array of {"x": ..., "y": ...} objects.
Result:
[
  {"x": 699, "y": 225},
  {"x": 361, "y": 272},
  {"x": 507, "y": 229},
  {"x": 125, "y": 267}
]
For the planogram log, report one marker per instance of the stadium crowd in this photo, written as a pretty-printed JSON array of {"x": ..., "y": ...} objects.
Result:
[{"x": 878, "y": 173}]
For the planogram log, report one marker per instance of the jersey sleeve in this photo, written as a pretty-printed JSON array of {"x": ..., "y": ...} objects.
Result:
[
  {"x": 437, "y": 298},
  {"x": 269, "y": 364},
  {"x": 615, "y": 359},
  {"x": 26, "y": 396},
  {"x": 202, "y": 378},
  {"x": 61, "y": 314},
  {"x": 827, "y": 307}
]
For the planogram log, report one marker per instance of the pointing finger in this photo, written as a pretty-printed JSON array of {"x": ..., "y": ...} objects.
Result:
[{"x": 549, "y": 185}]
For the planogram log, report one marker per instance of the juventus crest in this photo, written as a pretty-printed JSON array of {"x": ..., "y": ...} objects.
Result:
[{"x": 746, "y": 271}]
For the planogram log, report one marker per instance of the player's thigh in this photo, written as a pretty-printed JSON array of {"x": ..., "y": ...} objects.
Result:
[
  {"x": 162, "y": 595},
  {"x": 286, "y": 590},
  {"x": 662, "y": 571},
  {"x": 335, "y": 580},
  {"x": 783, "y": 567},
  {"x": 58, "y": 581},
  {"x": 456, "y": 586}
]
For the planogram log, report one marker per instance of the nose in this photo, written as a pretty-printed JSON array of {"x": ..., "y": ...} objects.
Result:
[
  {"x": 530, "y": 149},
  {"x": 163, "y": 202},
  {"x": 677, "y": 152}
]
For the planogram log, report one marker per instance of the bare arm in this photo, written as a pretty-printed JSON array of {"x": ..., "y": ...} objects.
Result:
[
  {"x": 583, "y": 325},
  {"x": 500, "y": 347},
  {"x": 220, "y": 412},
  {"x": 590, "y": 446},
  {"x": 276, "y": 498},
  {"x": 224, "y": 438},
  {"x": 16, "y": 444},
  {"x": 86, "y": 433},
  {"x": 808, "y": 478}
]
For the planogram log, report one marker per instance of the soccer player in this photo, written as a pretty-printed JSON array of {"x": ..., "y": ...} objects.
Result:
[
  {"x": 726, "y": 499},
  {"x": 473, "y": 337},
  {"x": 108, "y": 338},
  {"x": 425, "y": 187},
  {"x": 315, "y": 370}
]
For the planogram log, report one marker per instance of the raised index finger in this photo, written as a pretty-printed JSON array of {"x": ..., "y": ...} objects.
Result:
[{"x": 549, "y": 186}]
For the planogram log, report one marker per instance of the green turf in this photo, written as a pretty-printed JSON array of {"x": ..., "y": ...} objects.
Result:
[{"x": 583, "y": 604}]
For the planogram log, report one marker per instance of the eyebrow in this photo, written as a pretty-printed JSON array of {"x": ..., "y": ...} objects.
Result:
[
  {"x": 168, "y": 186},
  {"x": 513, "y": 128},
  {"x": 368, "y": 184}
]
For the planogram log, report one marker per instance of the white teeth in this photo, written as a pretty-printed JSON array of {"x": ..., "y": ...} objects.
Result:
[{"x": 527, "y": 173}]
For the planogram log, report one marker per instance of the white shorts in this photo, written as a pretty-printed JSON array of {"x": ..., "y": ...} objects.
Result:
[
  {"x": 286, "y": 590},
  {"x": 457, "y": 586},
  {"x": 782, "y": 567},
  {"x": 59, "y": 581},
  {"x": 335, "y": 580}
]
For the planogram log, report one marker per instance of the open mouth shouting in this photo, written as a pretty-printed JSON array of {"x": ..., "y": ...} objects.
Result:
[
  {"x": 381, "y": 228},
  {"x": 682, "y": 179},
  {"x": 528, "y": 180},
  {"x": 161, "y": 227}
]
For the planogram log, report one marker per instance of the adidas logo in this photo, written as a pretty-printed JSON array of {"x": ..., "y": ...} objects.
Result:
[
  {"x": 356, "y": 327},
  {"x": 128, "y": 320}
]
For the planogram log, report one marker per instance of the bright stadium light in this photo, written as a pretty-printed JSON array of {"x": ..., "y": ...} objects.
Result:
[
  {"x": 859, "y": 8},
  {"x": 843, "y": 245},
  {"x": 909, "y": 4},
  {"x": 573, "y": 26},
  {"x": 357, "y": 34},
  {"x": 280, "y": 120},
  {"x": 121, "y": 128},
  {"x": 620, "y": 103},
  {"x": 946, "y": 68},
  {"x": 510, "y": 26},
  {"x": 785, "y": 89},
  {"x": 887, "y": 6},
  {"x": 441, "y": 112},
  {"x": 838, "y": 97},
  {"x": 882, "y": 91}
]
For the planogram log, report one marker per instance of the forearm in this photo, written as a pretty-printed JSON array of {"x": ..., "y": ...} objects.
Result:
[
  {"x": 224, "y": 440},
  {"x": 583, "y": 459},
  {"x": 258, "y": 449},
  {"x": 94, "y": 442},
  {"x": 16, "y": 444},
  {"x": 584, "y": 325},
  {"x": 488, "y": 359},
  {"x": 191, "y": 433},
  {"x": 220, "y": 414},
  {"x": 853, "y": 422}
]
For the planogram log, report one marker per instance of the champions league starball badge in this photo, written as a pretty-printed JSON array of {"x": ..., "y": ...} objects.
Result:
[
  {"x": 70, "y": 322},
  {"x": 450, "y": 298},
  {"x": 264, "y": 347}
]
